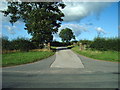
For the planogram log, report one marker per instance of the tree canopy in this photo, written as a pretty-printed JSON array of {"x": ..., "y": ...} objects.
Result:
[
  {"x": 66, "y": 35},
  {"x": 41, "y": 19}
]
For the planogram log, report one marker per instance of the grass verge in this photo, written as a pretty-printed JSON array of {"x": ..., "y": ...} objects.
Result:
[
  {"x": 70, "y": 46},
  {"x": 53, "y": 48},
  {"x": 17, "y": 58},
  {"x": 100, "y": 55}
]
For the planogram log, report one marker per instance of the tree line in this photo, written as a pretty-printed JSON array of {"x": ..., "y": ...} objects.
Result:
[
  {"x": 21, "y": 44},
  {"x": 103, "y": 44}
]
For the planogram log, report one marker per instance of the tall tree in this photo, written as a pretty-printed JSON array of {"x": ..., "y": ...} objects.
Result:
[
  {"x": 66, "y": 35},
  {"x": 41, "y": 19}
]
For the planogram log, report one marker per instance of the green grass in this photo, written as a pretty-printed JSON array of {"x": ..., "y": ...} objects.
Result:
[
  {"x": 18, "y": 58},
  {"x": 100, "y": 55}
]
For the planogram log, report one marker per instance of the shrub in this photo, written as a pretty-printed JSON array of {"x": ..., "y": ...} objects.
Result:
[
  {"x": 22, "y": 44},
  {"x": 105, "y": 44},
  {"x": 18, "y": 44},
  {"x": 5, "y": 43},
  {"x": 85, "y": 42}
]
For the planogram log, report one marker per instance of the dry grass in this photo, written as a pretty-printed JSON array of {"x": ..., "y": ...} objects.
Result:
[
  {"x": 11, "y": 51},
  {"x": 39, "y": 50}
]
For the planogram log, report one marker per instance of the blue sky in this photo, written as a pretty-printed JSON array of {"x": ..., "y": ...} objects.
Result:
[
  {"x": 85, "y": 19},
  {"x": 108, "y": 21}
]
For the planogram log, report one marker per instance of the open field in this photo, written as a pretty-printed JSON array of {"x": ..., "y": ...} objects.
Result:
[
  {"x": 101, "y": 55},
  {"x": 18, "y": 58}
]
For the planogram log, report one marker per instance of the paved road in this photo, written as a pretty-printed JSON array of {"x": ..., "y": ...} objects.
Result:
[
  {"x": 95, "y": 74},
  {"x": 67, "y": 59}
]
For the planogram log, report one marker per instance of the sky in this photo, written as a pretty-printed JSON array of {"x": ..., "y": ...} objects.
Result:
[{"x": 86, "y": 19}]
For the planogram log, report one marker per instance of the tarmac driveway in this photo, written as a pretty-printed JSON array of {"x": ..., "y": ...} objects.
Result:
[
  {"x": 63, "y": 70},
  {"x": 66, "y": 59}
]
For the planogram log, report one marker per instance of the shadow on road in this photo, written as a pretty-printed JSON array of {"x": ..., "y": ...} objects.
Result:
[{"x": 63, "y": 48}]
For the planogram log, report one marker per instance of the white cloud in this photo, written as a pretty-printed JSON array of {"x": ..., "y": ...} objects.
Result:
[
  {"x": 100, "y": 30},
  {"x": 4, "y": 19},
  {"x": 76, "y": 28},
  {"x": 10, "y": 29},
  {"x": 3, "y": 5},
  {"x": 75, "y": 11},
  {"x": 79, "y": 29}
]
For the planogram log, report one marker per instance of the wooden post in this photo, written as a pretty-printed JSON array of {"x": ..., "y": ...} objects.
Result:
[
  {"x": 49, "y": 45},
  {"x": 84, "y": 47},
  {"x": 80, "y": 46}
]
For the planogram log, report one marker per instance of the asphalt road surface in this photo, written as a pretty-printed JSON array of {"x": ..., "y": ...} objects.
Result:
[
  {"x": 67, "y": 59},
  {"x": 53, "y": 72}
]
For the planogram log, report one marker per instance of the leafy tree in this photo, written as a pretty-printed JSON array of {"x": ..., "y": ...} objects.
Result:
[
  {"x": 66, "y": 35},
  {"x": 41, "y": 19}
]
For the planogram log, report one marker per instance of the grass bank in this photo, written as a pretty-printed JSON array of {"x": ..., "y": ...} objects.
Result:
[
  {"x": 17, "y": 58},
  {"x": 100, "y": 55}
]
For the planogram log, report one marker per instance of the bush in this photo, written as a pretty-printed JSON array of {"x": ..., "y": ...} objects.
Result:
[
  {"x": 5, "y": 43},
  {"x": 105, "y": 44},
  {"x": 22, "y": 44},
  {"x": 18, "y": 44},
  {"x": 86, "y": 42}
]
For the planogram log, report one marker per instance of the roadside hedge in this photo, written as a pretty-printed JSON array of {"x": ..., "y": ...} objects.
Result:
[
  {"x": 17, "y": 44},
  {"x": 105, "y": 44}
]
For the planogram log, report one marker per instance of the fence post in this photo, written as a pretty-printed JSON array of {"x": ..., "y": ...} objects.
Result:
[
  {"x": 80, "y": 46},
  {"x": 84, "y": 47},
  {"x": 49, "y": 46}
]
